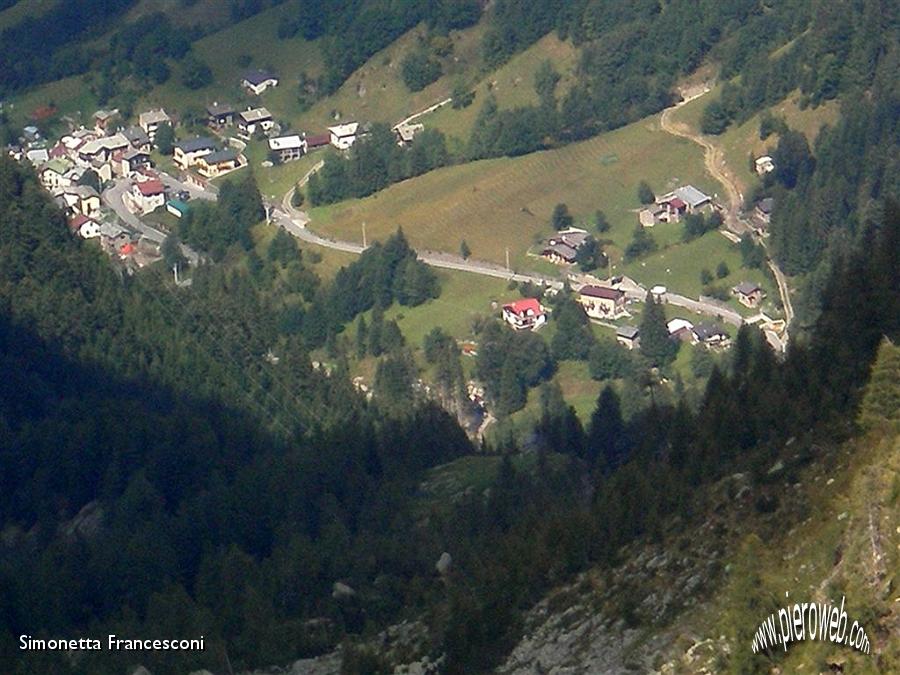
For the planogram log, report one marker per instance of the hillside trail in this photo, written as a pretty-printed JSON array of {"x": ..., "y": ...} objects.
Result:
[{"x": 714, "y": 160}]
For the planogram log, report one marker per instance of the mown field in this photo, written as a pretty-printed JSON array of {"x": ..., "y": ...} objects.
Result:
[{"x": 500, "y": 203}]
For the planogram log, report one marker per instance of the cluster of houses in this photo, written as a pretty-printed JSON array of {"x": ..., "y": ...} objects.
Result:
[
  {"x": 610, "y": 304},
  {"x": 670, "y": 207}
]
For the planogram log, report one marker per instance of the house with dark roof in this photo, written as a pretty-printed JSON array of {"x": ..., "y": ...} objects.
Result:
[
  {"x": 220, "y": 114},
  {"x": 524, "y": 314},
  {"x": 563, "y": 246},
  {"x": 150, "y": 121},
  {"x": 316, "y": 141},
  {"x": 763, "y": 213},
  {"x": 257, "y": 81},
  {"x": 748, "y": 294},
  {"x": 218, "y": 163},
  {"x": 628, "y": 336},
  {"x": 131, "y": 160},
  {"x": 710, "y": 335},
  {"x": 186, "y": 153},
  {"x": 138, "y": 138},
  {"x": 601, "y": 302}
]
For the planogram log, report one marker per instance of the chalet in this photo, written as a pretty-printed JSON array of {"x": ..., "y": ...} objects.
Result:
[
  {"x": 53, "y": 174},
  {"x": 658, "y": 293},
  {"x": 748, "y": 294},
  {"x": 525, "y": 314},
  {"x": 562, "y": 247},
  {"x": 186, "y": 153},
  {"x": 710, "y": 335},
  {"x": 601, "y": 302},
  {"x": 405, "y": 133},
  {"x": 686, "y": 199},
  {"x": 343, "y": 136},
  {"x": 763, "y": 165},
  {"x": 220, "y": 114},
  {"x": 102, "y": 149},
  {"x": 146, "y": 196},
  {"x": 257, "y": 81},
  {"x": 150, "y": 121},
  {"x": 131, "y": 160},
  {"x": 255, "y": 118},
  {"x": 559, "y": 253},
  {"x": 652, "y": 215},
  {"x": 681, "y": 329},
  {"x": 31, "y": 133},
  {"x": 138, "y": 138},
  {"x": 177, "y": 208},
  {"x": 628, "y": 336},
  {"x": 81, "y": 200},
  {"x": 88, "y": 228},
  {"x": 287, "y": 148},
  {"x": 37, "y": 156},
  {"x": 218, "y": 163},
  {"x": 316, "y": 141},
  {"x": 105, "y": 120},
  {"x": 763, "y": 210}
]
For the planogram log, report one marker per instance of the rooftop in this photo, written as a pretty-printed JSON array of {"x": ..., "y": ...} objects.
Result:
[
  {"x": 153, "y": 117},
  {"x": 256, "y": 115},
  {"x": 525, "y": 307},
  {"x": 285, "y": 143},
  {"x": 342, "y": 130},
  {"x": 628, "y": 332},
  {"x": 216, "y": 109},
  {"x": 148, "y": 188},
  {"x": 746, "y": 288},
  {"x": 227, "y": 155},
  {"x": 601, "y": 292},
  {"x": 691, "y": 195},
  {"x": 256, "y": 77},
  {"x": 676, "y": 325},
  {"x": 196, "y": 144}
]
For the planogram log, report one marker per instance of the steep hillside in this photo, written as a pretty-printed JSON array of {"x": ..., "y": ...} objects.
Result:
[{"x": 812, "y": 532}]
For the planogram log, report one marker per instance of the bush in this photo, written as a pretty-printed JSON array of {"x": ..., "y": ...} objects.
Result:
[
  {"x": 645, "y": 193},
  {"x": 195, "y": 74},
  {"x": 419, "y": 70},
  {"x": 715, "y": 119},
  {"x": 722, "y": 270}
]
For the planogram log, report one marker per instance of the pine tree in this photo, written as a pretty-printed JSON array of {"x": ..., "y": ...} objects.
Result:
[
  {"x": 362, "y": 337},
  {"x": 606, "y": 439},
  {"x": 656, "y": 344}
]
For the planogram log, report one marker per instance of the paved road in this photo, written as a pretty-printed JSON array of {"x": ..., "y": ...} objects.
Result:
[{"x": 112, "y": 197}]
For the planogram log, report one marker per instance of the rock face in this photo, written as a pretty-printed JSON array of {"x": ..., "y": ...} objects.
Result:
[
  {"x": 341, "y": 591},
  {"x": 443, "y": 564}
]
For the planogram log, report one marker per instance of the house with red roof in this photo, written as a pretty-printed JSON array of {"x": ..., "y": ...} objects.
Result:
[
  {"x": 524, "y": 314},
  {"x": 146, "y": 196},
  {"x": 601, "y": 302}
]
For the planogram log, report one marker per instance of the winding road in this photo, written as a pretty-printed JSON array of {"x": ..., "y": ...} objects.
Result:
[{"x": 714, "y": 159}]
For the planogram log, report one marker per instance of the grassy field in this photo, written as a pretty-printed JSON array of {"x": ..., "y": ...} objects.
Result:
[
  {"x": 499, "y": 203},
  {"x": 376, "y": 93},
  {"x": 740, "y": 140},
  {"x": 254, "y": 38},
  {"x": 512, "y": 85}
]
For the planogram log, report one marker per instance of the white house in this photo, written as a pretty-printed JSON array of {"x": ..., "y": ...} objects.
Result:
[
  {"x": 101, "y": 149},
  {"x": 53, "y": 174},
  {"x": 525, "y": 314},
  {"x": 149, "y": 121},
  {"x": 82, "y": 199},
  {"x": 343, "y": 136},
  {"x": 255, "y": 118},
  {"x": 681, "y": 329},
  {"x": 89, "y": 229},
  {"x": 186, "y": 153},
  {"x": 764, "y": 165},
  {"x": 257, "y": 81},
  {"x": 288, "y": 148},
  {"x": 147, "y": 196}
]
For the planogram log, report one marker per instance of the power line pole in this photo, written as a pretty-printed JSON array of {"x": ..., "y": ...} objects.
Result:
[
  {"x": 364, "y": 234},
  {"x": 507, "y": 258}
]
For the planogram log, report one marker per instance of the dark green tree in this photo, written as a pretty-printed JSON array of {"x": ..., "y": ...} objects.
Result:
[
  {"x": 561, "y": 219},
  {"x": 656, "y": 345},
  {"x": 645, "y": 193}
]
